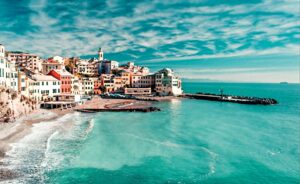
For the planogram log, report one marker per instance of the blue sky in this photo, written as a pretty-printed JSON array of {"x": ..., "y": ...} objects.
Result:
[{"x": 222, "y": 40}]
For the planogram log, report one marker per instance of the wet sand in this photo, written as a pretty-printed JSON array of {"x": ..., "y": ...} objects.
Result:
[{"x": 13, "y": 132}]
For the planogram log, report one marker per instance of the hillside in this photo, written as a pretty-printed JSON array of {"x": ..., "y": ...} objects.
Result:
[{"x": 13, "y": 105}]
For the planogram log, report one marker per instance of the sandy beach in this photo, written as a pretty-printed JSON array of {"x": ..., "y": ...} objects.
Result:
[
  {"x": 15, "y": 131},
  {"x": 12, "y": 132}
]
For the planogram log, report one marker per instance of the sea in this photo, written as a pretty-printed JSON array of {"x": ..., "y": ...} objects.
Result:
[{"x": 189, "y": 141}]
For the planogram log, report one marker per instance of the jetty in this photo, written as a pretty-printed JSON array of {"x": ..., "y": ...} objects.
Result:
[{"x": 231, "y": 98}]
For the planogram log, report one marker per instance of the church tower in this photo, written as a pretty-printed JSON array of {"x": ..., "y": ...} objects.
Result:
[{"x": 100, "y": 54}]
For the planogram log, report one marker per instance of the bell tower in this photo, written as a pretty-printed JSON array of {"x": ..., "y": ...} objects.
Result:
[
  {"x": 100, "y": 54},
  {"x": 2, "y": 50}
]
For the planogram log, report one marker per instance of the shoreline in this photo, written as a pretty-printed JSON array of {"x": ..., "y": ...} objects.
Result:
[{"x": 15, "y": 131}]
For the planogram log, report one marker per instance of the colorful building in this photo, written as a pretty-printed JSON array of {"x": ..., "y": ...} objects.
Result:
[
  {"x": 65, "y": 79},
  {"x": 43, "y": 87},
  {"x": 54, "y": 63},
  {"x": 98, "y": 87},
  {"x": 2, "y": 66},
  {"x": 166, "y": 83}
]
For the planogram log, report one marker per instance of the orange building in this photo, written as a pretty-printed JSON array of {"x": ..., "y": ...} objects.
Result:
[
  {"x": 97, "y": 87},
  {"x": 65, "y": 79}
]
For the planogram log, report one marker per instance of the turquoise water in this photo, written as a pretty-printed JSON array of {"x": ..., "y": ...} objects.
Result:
[{"x": 189, "y": 141}]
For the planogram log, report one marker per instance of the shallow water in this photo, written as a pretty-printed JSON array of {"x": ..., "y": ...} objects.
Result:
[{"x": 189, "y": 141}]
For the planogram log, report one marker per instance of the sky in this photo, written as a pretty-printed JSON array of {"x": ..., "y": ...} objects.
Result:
[{"x": 212, "y": 40}]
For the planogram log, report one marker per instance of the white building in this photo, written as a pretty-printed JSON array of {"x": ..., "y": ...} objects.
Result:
[
  {"x": 11, "y": 75},
  {"x": 23, "y": 84},
  {"x": 87, "y": 85},
  {"x": 43, "y": 87},
  {"x": 166, "y": 83},
  {"x": 88, "y": 67},
  {"x": 76, "y": 86},
  {"x": 2, "y": 65},
  {"x": 53, "y": 63},
  {"x": 136, "y": 80}
]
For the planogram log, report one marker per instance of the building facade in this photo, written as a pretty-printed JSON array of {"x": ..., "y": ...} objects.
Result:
[
  {"x": 11, "y": 75},
  {"x": 107, "y": 66},
  {"x": 51, "y": 64},
  {"x": 166, "y": 83},
  {"x": 2, "y": 66},
  {"x": 43, "y": 87},
  {"x": 65, "y": 79}
]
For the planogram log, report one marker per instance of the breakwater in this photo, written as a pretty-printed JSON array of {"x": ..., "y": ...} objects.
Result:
[{"x": 231, "y": 98}]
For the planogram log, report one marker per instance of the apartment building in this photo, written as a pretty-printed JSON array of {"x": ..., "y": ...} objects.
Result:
[
  {"x": 43, "y": 87},
  {"x": 166, "y": 83},
  {"x": 2, "y": 66},
  {"x": 65, "y": 79}
]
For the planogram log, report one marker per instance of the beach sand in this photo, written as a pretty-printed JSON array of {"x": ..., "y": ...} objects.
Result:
[
  {"x": 15, "y": 131},
  {"x": 12, "y": 132}
]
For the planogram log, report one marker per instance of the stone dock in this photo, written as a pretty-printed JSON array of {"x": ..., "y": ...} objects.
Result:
[{"x": 232, "y": 99}]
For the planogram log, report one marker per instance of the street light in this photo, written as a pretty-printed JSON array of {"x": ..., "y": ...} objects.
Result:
[{"x": 221, "y": 91}]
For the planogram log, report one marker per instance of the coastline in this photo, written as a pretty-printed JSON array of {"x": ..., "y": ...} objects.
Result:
[{"x": 14, "y": 131}]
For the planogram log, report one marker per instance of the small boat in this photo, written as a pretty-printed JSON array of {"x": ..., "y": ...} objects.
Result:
[{"x": 283, "y": 83}]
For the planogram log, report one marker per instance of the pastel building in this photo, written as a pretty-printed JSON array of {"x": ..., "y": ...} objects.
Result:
[
  {"x": 88, "y": 67},
  {"x": 23, "y": 84},
  {"x": 136, "y": 80},
  {"x": 2, "y": 65},
  {"x": 43, "y": 87},
  {"x": 65, "y": 79},
  {"x": 76, "y": 86},
  {"x": 97, "y": 87},
  {"x": 166, "y": 83},
  {"x": 107, "y": 81},
  {"x": 54, "y": 63},
  {"x": 11, "y": 75},
  {"x": 88, "y": 85},
  {"x": 19, "y": 57}
]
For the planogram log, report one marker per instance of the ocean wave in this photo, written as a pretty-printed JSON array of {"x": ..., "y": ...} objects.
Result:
[{"x": 31, "y": 156}]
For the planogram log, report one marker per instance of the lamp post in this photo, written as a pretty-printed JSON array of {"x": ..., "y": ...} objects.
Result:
[{"x": 221, "y": 91}]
